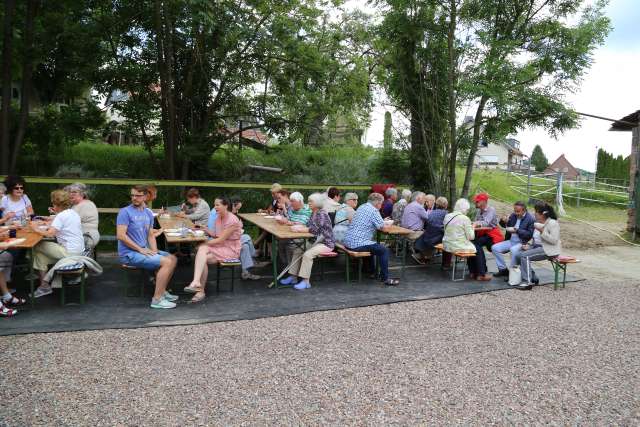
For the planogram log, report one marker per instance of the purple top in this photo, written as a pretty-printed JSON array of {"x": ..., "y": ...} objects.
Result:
[
  {"x": 387, "y": 208},
  {"x": 414, "y": 216},
  {"x": 320, "y": 225}
]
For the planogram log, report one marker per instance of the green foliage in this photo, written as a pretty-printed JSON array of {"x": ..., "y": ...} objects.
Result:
[
  {"x": 391, "y": 166},
  {"x": 538, "y": 159},
  {"x": 612, "y": 168}
]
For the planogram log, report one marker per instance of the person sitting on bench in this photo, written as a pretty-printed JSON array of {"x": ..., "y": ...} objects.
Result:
[
  {"x": 361, "y": 232},
  {"x": 550, "y": 245},
  {"x": 519, "y": 228},
  {"x": 458, "y": 231}
]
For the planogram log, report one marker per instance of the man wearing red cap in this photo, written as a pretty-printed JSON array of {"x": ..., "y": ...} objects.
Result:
[{"x": 487, "y": 234}]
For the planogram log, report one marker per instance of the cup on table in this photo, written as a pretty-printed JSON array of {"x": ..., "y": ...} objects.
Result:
[{"x": 13, "y": 233}]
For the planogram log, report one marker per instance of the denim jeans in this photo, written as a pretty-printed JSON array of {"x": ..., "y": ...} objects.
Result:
[
  {"x": 499, "y": 249},
  {"x": 382, "y": 257}
]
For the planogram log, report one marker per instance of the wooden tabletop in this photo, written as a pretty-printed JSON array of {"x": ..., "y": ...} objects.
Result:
[
  {"x": 271, "y": 226},
  {"x": 31, "y": 239},
  {"x": 176, "y": 223},
  {"x": 397, "y": 230}
]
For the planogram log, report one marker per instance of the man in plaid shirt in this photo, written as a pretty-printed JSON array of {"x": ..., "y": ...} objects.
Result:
[{"x": 359, "y": 238}]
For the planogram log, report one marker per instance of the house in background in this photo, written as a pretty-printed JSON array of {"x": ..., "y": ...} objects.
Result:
[
  {"x": 561, "y": 164},
  {"x": 504, "y": 154}
]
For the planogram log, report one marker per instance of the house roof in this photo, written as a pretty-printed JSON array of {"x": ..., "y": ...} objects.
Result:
[
  {"x": 626, "y": 127},
  {"x": 254, "y": 136},
  {"x": 562, "y": 164}
]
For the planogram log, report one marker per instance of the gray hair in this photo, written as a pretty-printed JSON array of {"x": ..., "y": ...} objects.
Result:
[
  {"x": 442, "y": 202},
  {"x": 416, "y": 195},
  {"x": 3, "y": 188},
  {"x": 77, "y": 187},
  {"x": 350, "y": 196},
  {"x": 375, "y": 198},
  {"x": 406, "y": 194},
  {"x": 297, "y": 196},
  {"x": 462, "y": 206},
  {"x": 430, "y": 197},
  {"x": 391, "y": 192},
  {"x": 316, "y": 199}
]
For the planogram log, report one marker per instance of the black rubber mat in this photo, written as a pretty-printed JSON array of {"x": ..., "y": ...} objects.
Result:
[{"x": 107, "y": 307}]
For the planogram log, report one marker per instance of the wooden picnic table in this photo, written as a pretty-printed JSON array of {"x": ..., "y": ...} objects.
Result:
[
  {"x": 31, "y": 240},
  {"x": 173, "y": 223},
  {"x": 278, "y": 231}
]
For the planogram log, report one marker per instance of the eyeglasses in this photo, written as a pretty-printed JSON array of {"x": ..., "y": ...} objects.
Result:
[
  {"x": 137, "y": 195},
  {"x": 18, "y": 187}
]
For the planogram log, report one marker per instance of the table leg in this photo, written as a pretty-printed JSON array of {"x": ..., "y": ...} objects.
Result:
[
  {"x": 31, "y": 279},
  {"x": 404, "y": 243},
  {"x": 274, "y": 259}
]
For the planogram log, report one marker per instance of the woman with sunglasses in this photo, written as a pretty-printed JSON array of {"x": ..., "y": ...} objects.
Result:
[{"x": 15, "y": 205}]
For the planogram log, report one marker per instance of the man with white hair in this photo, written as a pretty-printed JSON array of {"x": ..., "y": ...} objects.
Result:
[
  {"x": 359, "y": 238},
  {"x": 398, "y": 208},
  {"x": 415, "y": 215},
  {"x": 387, "y": 206},
  {"x": 297, "y": 213}
]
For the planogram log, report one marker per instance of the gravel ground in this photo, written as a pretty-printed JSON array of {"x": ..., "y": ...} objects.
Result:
[{"x": 510, "y": 357}]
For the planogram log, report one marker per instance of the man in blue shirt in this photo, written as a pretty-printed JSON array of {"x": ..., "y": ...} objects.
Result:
[
  {"x": 137, "y": 246},
  {"x": 359, "y": 238}
]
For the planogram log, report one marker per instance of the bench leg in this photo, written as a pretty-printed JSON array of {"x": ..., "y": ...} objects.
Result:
[
  {"x": 556, "y": 273},
  {"x": 347, "y": 264},
  {"x": 62, "y": 283},
  {"x": 233, "y": 277},
  {"x": 82, "y": 283},
  {"x": 217, "y": 278},
  {"x": 359, "y": 270}
]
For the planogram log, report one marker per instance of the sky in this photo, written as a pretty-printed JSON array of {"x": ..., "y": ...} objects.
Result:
[{"x": 611, "y": 88}]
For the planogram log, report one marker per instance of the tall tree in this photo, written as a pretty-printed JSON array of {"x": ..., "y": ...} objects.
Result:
[
  {"x": 538, "y": 159},
  {"x": 7, "y": 64},
  {"x": 526, "y": 56},
  {"x": 387, "y": 136}
]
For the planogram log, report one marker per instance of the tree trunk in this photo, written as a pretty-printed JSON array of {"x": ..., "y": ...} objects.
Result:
[
  {"x": 477, "y": 123},
  {"x": 453, "y": 143},
  {"x": 27, "y": 84},
  {"x": 5, "y": 149}
]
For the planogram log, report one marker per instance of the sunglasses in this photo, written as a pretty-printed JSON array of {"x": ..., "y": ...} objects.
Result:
[{"x": 18, "y": 187}]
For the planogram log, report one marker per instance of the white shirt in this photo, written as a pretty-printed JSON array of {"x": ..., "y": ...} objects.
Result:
[
  {"x": 19, "y": 208},
  {"x": 69, "y": 229}
]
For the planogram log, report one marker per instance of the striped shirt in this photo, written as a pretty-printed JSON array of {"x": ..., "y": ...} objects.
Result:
[{"x": 300, "y": 216}]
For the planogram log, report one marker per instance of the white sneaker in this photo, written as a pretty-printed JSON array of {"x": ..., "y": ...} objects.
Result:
[
  {"x": 249, "y": 276},
  {"x": 302, "y": 285},
  {"x": 41, "y": 291},
  {"x": 170, "y": 297},
  {"x": 163, "y": 303}
]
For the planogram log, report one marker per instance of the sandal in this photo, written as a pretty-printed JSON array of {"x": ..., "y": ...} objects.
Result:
[
  {"x": 15, "y": 301},
  {"x": 192, "y": 289},
  {"x": 7, "y": 312},
  {"x": 199, "y": 296}
]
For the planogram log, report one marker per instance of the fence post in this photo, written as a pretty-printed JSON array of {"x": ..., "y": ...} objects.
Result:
[
  {"x": 578, "y": 193},
  {"x": 529, "y": 183},
  {"x": 559, "y": 203}
]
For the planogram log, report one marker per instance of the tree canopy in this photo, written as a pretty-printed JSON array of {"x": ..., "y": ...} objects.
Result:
[{"x": 538, "y": 159}]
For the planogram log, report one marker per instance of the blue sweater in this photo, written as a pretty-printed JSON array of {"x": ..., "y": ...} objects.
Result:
[{"x": 525, "y": 231}]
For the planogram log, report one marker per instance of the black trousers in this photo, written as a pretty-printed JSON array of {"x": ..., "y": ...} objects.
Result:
[{"x": 478, "y": 263}]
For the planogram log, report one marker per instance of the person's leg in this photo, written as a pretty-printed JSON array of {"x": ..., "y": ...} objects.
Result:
[
  {"x": 499, "y": 249},
  {"x": 306, "y": 263},
  {"x": 515, "y": 254},
  {"x": 163, "y": 276},
  {"x": 199, "y": 266},
  {"x": 480, "y": 259},
  {"x": 535, "y": 254},
  {"x": 296, "y": 258},
  {"x": 260, "y": 238},
  {"x": 46, "y": 253},
  {"x": 382, "y": 257},
  {"x": 246, "y": 260}
]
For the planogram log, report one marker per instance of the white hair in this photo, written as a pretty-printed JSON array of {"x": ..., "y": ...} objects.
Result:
[
  {"x": 406, "y": 194},
  {"x": 391, "y": 192},
  {"x": 416, "y": 195},
  {"x": 462, "y": 206},
  {"x": 317, "y": 199},
  {"x": 297, "y": 196}
]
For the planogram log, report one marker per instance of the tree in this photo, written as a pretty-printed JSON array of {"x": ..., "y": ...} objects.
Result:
[
  {"x": 387, "y": 138},
  {"x": 538, "y": 159},
  {"x": 523, "y": 59}
]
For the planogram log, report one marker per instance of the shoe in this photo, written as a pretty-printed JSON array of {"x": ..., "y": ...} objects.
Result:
[
  {"x": 7, "y": 312},
  {"x": 524, "y": 286},
  {"x": 289, "y": 281},
  {"x": 14, "y": 301},
  {"x": 302, "y": 285},
  {"x": 169, "y": 297},
  {"x": 162, "y": 303},
  {"x": 502, "y": 273},
  {"x": 12, "y": 290},
  {"x": 40, "y": 292},
  {"x": 392, "y": 282},
  {"x": 484, "y": 278},
  {"x": 418, "y": 259},
  {"x": 249, "y": 276}
]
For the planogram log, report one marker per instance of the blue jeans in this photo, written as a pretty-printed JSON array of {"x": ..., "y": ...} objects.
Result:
[
  {"x": 499, "y": 249},
  {"x": 382, "y": 257},
  {"x": 247, "y": 252}
]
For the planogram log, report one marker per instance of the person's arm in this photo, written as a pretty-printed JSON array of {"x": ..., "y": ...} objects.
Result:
[
  {"x": 121, "y": 235},
  {"x": 525, "y": 231},
  {"x": 224, "y": 235},
  {"x": 6, "y": 217},
  {"x": 551, "y": 233},
  {"x": 487, "y": 219},
  {"x": 48, "y": 232},
  {"x": 468, "y": 231}
]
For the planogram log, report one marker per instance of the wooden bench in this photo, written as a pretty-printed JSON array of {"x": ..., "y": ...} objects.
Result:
[
  {"x": 142, "y": 274},
  {"x": 229, "y": 264},
  {"x": 560, "y": 263},
  {"x": 348, "y": 256},
  {"x": 457, "y": 257},
  {"x": 321, "y": 258}
]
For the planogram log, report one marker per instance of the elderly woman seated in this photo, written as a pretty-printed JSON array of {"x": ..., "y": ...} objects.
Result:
[
  {"x": 196, "y": 208},
  {"x": 7, "y": 300},
  {"x": 88, "y": 213},
  {"x": 433, "y": 232},
  {"x": 344, "y": 215},
  {"x": 319, "y": 224},
  {"x": 398, "y": 207},
  {"x": 458, "y": 231}
]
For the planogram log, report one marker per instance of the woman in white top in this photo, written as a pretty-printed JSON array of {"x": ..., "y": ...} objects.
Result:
[
  {"x": 15, "y": 205},
  {"x": 66, "y": 227},
  {"x": 88, "y": 213}
]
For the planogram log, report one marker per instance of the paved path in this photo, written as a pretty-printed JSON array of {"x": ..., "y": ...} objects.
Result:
[{"x": 564, "y": 357}]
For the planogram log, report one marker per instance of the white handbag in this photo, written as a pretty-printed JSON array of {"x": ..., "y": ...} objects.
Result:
[{"x": 515, "y": 278}]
